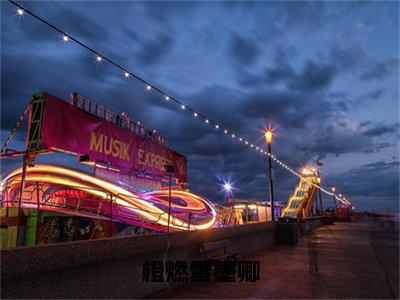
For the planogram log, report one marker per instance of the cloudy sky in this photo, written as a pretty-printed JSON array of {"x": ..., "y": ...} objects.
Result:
[{"x": 323, "y": 74}]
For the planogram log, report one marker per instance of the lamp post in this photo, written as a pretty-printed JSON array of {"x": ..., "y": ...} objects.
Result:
[
  {"x": 334, "y": 197},
  {"x": 170, "y": 170},
  {"x": 268, "y": 139},
  {"x": 228, "y": 188}
]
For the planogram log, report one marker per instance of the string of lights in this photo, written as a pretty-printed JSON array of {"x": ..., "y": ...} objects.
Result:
[{"x": 148, "y": 86}]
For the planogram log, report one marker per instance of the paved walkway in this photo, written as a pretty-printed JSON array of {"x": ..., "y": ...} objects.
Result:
[{"x": 358, "y": 259}]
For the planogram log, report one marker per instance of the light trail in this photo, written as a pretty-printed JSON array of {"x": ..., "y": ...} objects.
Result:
[{"x": 150, "y": 207}]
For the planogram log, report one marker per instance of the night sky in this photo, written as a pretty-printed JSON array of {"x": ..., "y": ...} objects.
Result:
[{"x": 323, "y": 74}]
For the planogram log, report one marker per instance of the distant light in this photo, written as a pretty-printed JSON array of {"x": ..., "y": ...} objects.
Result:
[
  {"x": 65, "y": 38},
  {"x": 148, "y": 87},
  {"x": 251, "y": 145},
  {"x": 195, "y": 114},
  {"x": 126, "y": 74},
  {"x": 216, "y": 126},
  {"x": 166, "y": 98},
  {"x": 227, "y": 187},
  {"x": 20, "y": 11},
  {"x": 207, "y": 121},
  {"x": 225, "y": 131},
  {"x": 98, "y": 58},
  {"x": 247, "y": 142},
  {"x": 233, "y": 135},
  {"x": 333, "y": 189},
  {"x": 183, "y": 106},
  {"x": 240, "y": 139}
]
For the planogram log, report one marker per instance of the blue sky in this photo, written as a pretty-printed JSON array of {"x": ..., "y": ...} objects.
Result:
[{"x": 324, "y": 74}]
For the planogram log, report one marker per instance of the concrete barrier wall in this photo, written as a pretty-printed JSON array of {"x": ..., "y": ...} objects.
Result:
[
  {"x": 113, "y": 268},
  {"x": 308, "y": 225}
]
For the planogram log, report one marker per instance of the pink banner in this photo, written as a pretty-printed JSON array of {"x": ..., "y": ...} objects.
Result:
[{"x": 67, "y": 128}]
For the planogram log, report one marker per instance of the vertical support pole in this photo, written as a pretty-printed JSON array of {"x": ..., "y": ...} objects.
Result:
[
  {"x": 169, "y": 199},
  {"x": 38, "y": 211},
  {"x": 20, "y": 239},
  {"x": 334, "y": 201},
  {"x": 271, "y": 189},
  {"x": 22, "y": 183},
  {"x": 111, "y": 215}
]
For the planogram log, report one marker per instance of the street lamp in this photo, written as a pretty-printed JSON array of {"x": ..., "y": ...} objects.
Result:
[
  {"x": 334, "y": 196},
  {"x": 268, "y": 139},
  {"x": 228, "y": 189}
]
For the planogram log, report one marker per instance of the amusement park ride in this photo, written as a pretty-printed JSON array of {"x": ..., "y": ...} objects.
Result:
[{"x": 138, "y": 179}]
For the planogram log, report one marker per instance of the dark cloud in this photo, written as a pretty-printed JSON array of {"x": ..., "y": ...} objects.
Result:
[
  {"x": 289, "y": 108},
  {"x": 153, "y": 51},
  {"x": 348, "y": 58},
  {"x": 244, "y": 50},
  {"x": 342, "y": 105},
  {"x": 380, "y": 178},
  {"x": 313, "y": 75},
  {"x": 381, "y": 70},
  {"x": 382, "y": 129}
]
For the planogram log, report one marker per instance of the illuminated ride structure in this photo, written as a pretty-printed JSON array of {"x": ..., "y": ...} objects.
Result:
[
  {"x": 71, "y": 192},
  {"x": 138, "y": 180},
  {"x": 300, "y": 203}
]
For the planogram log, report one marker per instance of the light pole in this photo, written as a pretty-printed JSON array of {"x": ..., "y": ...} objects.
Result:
[
  {"x": 170, "y": 170},
  {"x": 268, "y": 139},
  {"x": 334, "y": 197},
  {"x": 228, "y": 188}
]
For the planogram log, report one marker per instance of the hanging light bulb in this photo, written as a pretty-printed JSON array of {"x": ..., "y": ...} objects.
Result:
[
  {"x": 195, "y": 114},
  {"x": 167, "y": 98},
  {"x": 20, "y": 11},
  {"x": 99, "y": 58},
  {"x": 126, "y": 74},
  {"x": 65, "y": 38}
]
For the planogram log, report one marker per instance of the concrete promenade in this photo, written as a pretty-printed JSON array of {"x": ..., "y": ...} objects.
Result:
[{"x": 358, "y": 259}]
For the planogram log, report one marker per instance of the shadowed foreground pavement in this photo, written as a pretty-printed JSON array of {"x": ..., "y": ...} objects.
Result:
[{"x": 358, "y": 259}]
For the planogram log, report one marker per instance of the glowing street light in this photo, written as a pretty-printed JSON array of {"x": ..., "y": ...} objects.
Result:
[
  {"x": 268, "y": 139},
  {"x": 268, "y": 136},
  {"x": 228, "y": 189}
]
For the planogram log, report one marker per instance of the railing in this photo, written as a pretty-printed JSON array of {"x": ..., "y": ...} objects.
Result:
[{"x": 122, "y": 120}]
